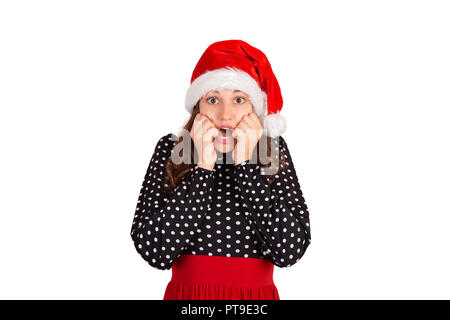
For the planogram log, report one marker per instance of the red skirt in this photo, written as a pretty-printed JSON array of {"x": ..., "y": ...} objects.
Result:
[{"x": 203, "y": 277}]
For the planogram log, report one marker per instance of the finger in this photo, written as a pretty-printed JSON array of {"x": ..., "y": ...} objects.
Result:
[
  {"x": 240, "y": 121},
  {"x": 197, "y": 132},
  {"x": 201, "y": 123},
  {"x": 245, "y": 126},
  {"x": 251, "y": 128},
  {"x": 198, "y": 120},
  {"x": 249, "y": 122},
  {"x": 199, "y": 128},
  {"x": 210, "y": 134},
  {"x": 242, "y": 145},
  {"x": 206, "y": 125},
  {"x": 209, "y": 119},
  {"x": 196, "y": 126},
  {"x": 238, "y": 133},
  {"x": 256, "y": 119},
  {"x": 200, "y": 117}
]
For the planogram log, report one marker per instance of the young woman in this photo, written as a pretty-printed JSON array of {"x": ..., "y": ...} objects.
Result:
[{"x": 222, "y": 216}]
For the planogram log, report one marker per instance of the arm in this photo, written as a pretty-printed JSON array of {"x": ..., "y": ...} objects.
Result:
[
  {"x": 277, "y": 212},
  {"x": 164, "y": 224}
]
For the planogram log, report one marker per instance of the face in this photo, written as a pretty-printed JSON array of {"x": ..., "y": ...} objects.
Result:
[{"x": 225, "y": 108}]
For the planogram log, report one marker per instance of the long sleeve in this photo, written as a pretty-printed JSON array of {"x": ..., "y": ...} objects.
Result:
[
  {"x": 277, "y": 212},
  {"x": 164, "y": 224}
]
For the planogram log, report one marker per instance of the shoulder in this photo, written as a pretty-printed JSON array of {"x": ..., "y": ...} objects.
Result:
[
  {"x": 282, "y": 150},
  {"x": 283, "y": 145},
  {"x": 167, "y": 141},
  {"x": 280, "y": 143},
  {"x": 163, "y": 147}
]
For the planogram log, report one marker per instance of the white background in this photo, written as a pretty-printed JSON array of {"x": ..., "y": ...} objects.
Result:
[{"x": 87, "y": 88}]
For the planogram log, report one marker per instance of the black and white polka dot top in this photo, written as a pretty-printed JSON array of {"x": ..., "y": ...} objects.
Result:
[{"x": 230, "y": 211}]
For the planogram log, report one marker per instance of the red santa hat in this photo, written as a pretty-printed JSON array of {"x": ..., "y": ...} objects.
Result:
[{"x": 234, "y": 64}]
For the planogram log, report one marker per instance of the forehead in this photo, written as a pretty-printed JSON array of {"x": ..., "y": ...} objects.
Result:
[{"x": 219, "y": 92}]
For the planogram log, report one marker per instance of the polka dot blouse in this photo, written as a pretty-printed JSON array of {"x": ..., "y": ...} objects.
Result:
[{"x": 231, "y": 211}]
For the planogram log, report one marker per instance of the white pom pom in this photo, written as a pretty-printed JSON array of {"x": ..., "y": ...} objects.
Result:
[{"x": 274, "y": 125}]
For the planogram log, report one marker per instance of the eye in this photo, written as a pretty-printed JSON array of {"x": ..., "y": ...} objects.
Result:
[
  {"x": 242, "y": 99},
  {"x": 209, "y": 99}
]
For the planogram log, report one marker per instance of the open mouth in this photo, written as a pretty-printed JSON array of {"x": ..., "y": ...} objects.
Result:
[
  {"x": 225, "y": 135},
  {"x": 226, "y": 132}
]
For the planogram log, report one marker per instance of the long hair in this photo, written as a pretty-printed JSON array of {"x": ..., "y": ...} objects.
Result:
[{"x": 175, "y": 172}]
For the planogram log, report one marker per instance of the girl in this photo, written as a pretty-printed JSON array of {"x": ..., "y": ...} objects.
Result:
[{"x": 222, "y": 216}]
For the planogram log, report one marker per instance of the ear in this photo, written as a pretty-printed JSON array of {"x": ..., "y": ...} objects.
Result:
[{"x": 274, "y": 125}]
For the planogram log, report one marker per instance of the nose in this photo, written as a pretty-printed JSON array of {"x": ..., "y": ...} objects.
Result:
[{"x": 227, "y": 112}]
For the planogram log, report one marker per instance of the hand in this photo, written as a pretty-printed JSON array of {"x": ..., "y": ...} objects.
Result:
[
  {"x": 248, "y": 132},
  {"x": 203, "y": 133}
]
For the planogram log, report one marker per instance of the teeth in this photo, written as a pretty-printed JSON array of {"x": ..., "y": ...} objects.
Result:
[{"x": 226, "y": 133}]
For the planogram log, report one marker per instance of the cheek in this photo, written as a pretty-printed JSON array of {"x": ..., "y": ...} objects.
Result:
[
  {"x": 204, "y": 108},
  {"x": 201, "y": 107},
  {"x": 244, "y": 110},
  {"x": 208, "y": 110}
]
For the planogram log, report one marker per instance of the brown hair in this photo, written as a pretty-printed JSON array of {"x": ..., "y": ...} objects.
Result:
[{"x": 175, "y": 172}]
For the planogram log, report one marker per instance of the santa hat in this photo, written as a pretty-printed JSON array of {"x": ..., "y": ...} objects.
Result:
[{"x": 234, "y": 64}]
